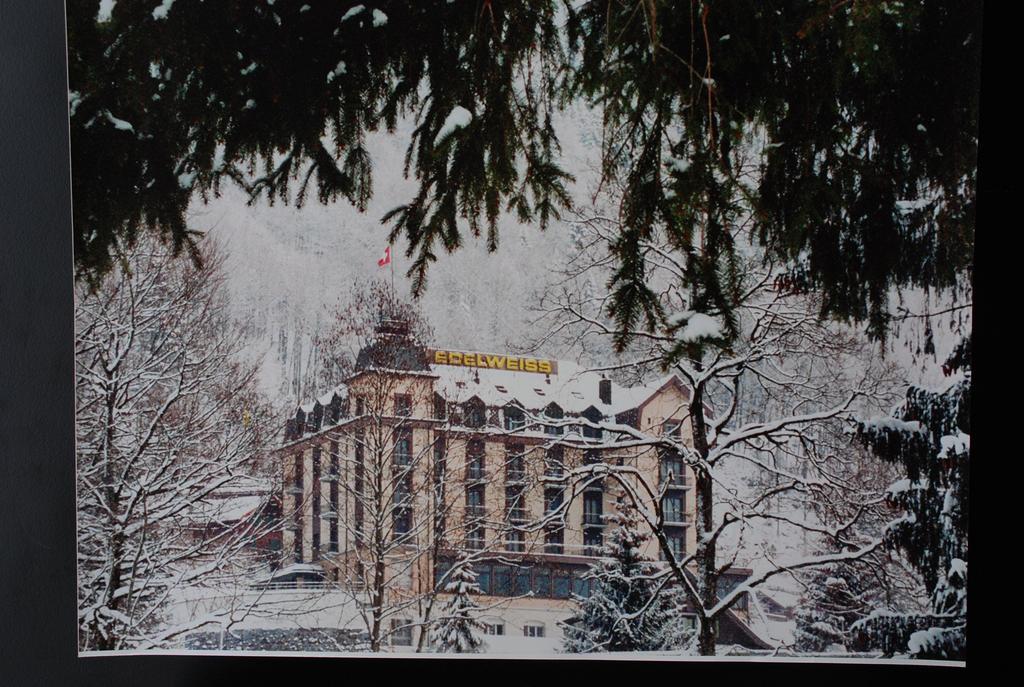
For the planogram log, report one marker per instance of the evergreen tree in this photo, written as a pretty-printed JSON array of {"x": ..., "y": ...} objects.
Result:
[
  {"x": 929, "y": 437},
  {"x": 844, "y": 133},
  {"x": 455, "y": 629},
  {"x": 625, "y": 611},
  {"x": 834, "y": 600}
]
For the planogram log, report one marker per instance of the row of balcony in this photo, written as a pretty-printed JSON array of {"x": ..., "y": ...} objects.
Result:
[{"x": 516, "y": 515}]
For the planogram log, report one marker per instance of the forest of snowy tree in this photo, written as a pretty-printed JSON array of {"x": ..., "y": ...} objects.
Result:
[{"x": 774, "y": 204}]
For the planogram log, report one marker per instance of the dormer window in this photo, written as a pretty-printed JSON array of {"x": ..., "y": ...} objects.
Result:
[
  {"x": 553, "y": 412},
  {"x": 515, "y": 418},
  {"x": 474, "y": 413},
  {"x": 593, "y": 415},
  {"x": 440, "y": 408}
]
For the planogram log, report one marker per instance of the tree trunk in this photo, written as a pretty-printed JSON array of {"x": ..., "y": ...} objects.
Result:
[{"x": 707, "y": 578}]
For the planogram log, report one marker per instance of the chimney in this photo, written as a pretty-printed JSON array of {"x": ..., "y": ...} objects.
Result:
[{"x": 604, "y": 390}]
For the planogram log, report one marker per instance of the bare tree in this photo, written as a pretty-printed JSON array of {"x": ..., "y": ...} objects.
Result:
[
  {"x": 395, "y": 456},
  {"x": 167, "y": 419},
  {"x": 771, "y": 391}
]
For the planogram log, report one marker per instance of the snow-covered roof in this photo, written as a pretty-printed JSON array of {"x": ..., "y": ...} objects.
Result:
[
  {"x": 238, "y": 507},
  {"x": 295, "y": 569},
  {"x": 226, "y": 507},
  {"x": 573, "y": 388}
]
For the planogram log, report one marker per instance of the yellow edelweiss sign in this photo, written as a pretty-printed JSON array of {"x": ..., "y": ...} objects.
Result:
[{"x": 494, "y": 362}]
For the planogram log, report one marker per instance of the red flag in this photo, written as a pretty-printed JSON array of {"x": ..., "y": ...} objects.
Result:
[{"x": 386, "y": 260}]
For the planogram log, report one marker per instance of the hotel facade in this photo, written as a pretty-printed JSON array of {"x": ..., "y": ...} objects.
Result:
[{"x": 425, "y": 460}]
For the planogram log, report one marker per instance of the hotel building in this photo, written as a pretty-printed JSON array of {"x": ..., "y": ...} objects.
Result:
[{"x": 425, "y": 458}]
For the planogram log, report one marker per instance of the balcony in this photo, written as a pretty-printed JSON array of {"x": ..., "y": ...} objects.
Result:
[
  {"x": 475, "y": 474},
  {"x": 330, "y": 477},
  {"x": 515, "y": 476},
  {"x": 294, "y": 489},
  {"x": 476, "y": 512},
  {"x": 328, "y": 515},
  {"x": 517, "y": 515},
  {"x": 593, "y": 519}
]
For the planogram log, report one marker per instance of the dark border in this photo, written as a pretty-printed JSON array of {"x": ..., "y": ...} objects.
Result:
[{"x": 37, "y": 580}]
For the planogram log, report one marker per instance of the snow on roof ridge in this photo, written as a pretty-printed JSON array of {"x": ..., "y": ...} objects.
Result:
[{"x": 574, "y": 387}]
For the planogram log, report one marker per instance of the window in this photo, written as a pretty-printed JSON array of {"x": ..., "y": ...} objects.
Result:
[
  {"x": 593, "y": 540},
  {"x": 593, "y": 415},
  {"x": 496, "y": 629},
  {"x": 440, "y": 467},
  {"x": 440, "y": 408},
  {"x": 402, "y": 506},
  {"x": 297, "y": 474},
  {"x": 533, "y": 630},
  {"x": 473, "y": 413},
  {"x": 475, "y": 460},
  {"x": 515, "y": 541},
  {"x": 671, "y": 470},
  {"x": 297, "y": 552},
  {"x": 475, "y": 502},
  {"x": 562, "y": 585},
  {"x": 671, "y": 428},
  {"x": 360, "y": 407},
  {"x": 315, "y": 509},
  {"x": 553, "y": 412},
  {"x": 441, "y": 568},
  {"x": 475, "y": 538},
  {"x": 522, "y": 582},
  {"x": 358, "y": 482},
  {"x": 554, "y": 540},
  {"x": 672, "y": 507},
  {"x": 581, "y": 586},
  {"x": 502, "y": 580},
  {"x": 483, "y": 578},
  {"x": 542, "y": 583},
  {"x": 403, "y": 405},
  {"x": 554, "y": 497},
  {"x": 554, "y": 464},
  {"x": 297, "y": 489},
  {"x": 593, "y": 508},
  {"x": 515, "y": 418},
  {"x": 515, "y": 463},
  {"x": 333, "y": 526},
  {"x": 401, "y": 632},
  {"x": 515, "y": 503},
  {"x": 676, "y": 543},
  {"x": 403, "y": 448}
]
